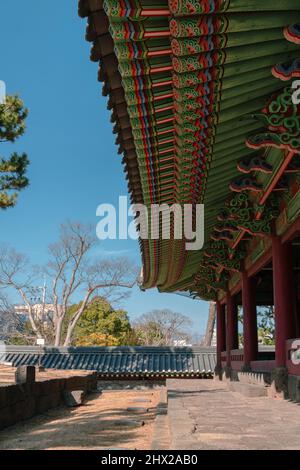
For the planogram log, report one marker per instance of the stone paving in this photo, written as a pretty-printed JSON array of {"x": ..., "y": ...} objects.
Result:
[
  {"x": 103, "y": 422},
  {"x": 204, "y": 414}
]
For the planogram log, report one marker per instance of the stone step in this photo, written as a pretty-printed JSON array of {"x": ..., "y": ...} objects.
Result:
[
  {"x": 248, "y": 390},
  {"x": 161, "y": 433},
  {"x": 255, "y": 378}
]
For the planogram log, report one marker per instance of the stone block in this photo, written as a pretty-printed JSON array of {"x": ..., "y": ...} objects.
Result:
[
  {"x": 137, "y": 409},
  {"x": 17, "y": 411},
  {"x": 128, "y": 423},
  {"x": 6, "y": 418},
  {"x": 294, "y": 388},
  {"x": 162, "y": 406},
  {"x": 142, "y": 400},
  {"x": 40, "y": 388},
  {"x": 160, "y": 436},
  {"x": 43, "y": 403},
  {"x": 29, "y": 407},
  {"x": 279, "y": 383},
  {"x": 92, "y": 382},
  {"x": 76, "y": 383},
  {"x": 256, "y": 378},
  {"x": 16, "y": 393},
  {"x": 248, "y": 390},
  {"x": 25, "y": 375},
  {"x": 73, "y": 397},
  {"x": 24, "y": 400},
  {"x": 3, "y": 397}
]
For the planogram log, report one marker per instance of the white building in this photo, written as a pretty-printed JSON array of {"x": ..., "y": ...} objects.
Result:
[{"x": 42, "y": 312}]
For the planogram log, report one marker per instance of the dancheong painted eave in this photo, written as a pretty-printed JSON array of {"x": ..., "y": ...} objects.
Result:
[{"x": 196, "y": 89}]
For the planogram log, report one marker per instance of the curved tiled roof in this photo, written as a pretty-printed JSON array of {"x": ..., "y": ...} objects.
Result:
[
  {"x": 121, "y": 361},
  {"x": 184, "y": 79}
]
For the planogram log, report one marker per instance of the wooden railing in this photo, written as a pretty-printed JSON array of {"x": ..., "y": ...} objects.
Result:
[
  {"x": 223, "y": 358},
  {"x": 264, "y": 363},
  {"x": 237, "y": 359}
]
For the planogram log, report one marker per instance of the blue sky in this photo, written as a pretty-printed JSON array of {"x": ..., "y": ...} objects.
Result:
[{"x": 69, "y": 140}]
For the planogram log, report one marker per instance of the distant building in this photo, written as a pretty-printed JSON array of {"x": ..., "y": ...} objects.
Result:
[
  {"x": 179, "y": 343},
  {"x": 42, "y": 312},
  {"x": 214, "y": 338}
]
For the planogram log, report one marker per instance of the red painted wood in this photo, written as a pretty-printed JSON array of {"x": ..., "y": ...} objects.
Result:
[
  {"x": 156, "y": 34},
  {"x": 164, "y": 83},
  {"x": 292, "y": 232},
  {"x": 237, "y": 365},
  {"x": 232, "y": 341},
  {"x": 157, "y": 12},
  {"x": 159, "y": 53},
  {"x": 239, "y": 238},
  {"x": 166, "y": 68},
  {"x": 165, "y": 108},
  {"x": 164, "y": 121},
  {"x": 262, "y": 366},
  {"x": 221, "y": 332},
  {"x": 163, "y": 97},
  {"x": 285, "y": 325},
  {"x": 260, "y": 263},
  {"x": 277, "y": 177},
  {"x": 249, "y": 319}
]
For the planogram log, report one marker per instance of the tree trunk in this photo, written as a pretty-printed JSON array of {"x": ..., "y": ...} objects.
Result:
[
  {"x": 58, "y": 331},
  {"x": 210, "y": 325},
  {"x": 68, "y": 337}
]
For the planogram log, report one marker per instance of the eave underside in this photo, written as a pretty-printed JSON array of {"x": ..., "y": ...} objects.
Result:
[{"x": 185, "y": 80}]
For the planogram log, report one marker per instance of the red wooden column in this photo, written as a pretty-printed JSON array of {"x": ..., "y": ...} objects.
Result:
[
  {"x": 221, "y": 332},
  {"x": 285, "y": 325},
  {"x": 249, "y": 319},
  {"x": 232, "y": 341}
]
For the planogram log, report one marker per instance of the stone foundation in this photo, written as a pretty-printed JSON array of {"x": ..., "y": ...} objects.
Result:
[
  {"x": 294, "y": 388},
  {"x": 23, "y": 401},
  {"x": 279, "y": 383}
]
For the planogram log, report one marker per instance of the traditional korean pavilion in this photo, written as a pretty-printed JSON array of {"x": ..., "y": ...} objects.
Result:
[{"x": 204, "y": 105}]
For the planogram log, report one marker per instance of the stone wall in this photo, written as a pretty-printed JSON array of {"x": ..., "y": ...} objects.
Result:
[
  {"x": 294, "y": 388},
  {"x": 22, "y": 401}
]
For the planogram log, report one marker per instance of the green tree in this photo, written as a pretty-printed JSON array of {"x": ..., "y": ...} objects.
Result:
[
  {"x": 100, "y": 325},
  {"x": 266, "y": 326},
  {"x": 12, "y": 170}
]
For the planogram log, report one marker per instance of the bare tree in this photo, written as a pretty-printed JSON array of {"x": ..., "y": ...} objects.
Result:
[
  {"x": 11, "y": 324},
  {"x": 71, "y": 270},
  {"x": 66, "y": 269},
  {"x": 17, "y": 274},
  {"x": 162, "y": 328}
]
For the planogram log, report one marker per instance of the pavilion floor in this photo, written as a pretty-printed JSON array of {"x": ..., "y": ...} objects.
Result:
[{"x": 205, "y": 415}]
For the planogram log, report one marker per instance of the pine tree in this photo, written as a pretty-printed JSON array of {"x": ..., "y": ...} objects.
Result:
[{"x": 12, "y": 170}]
